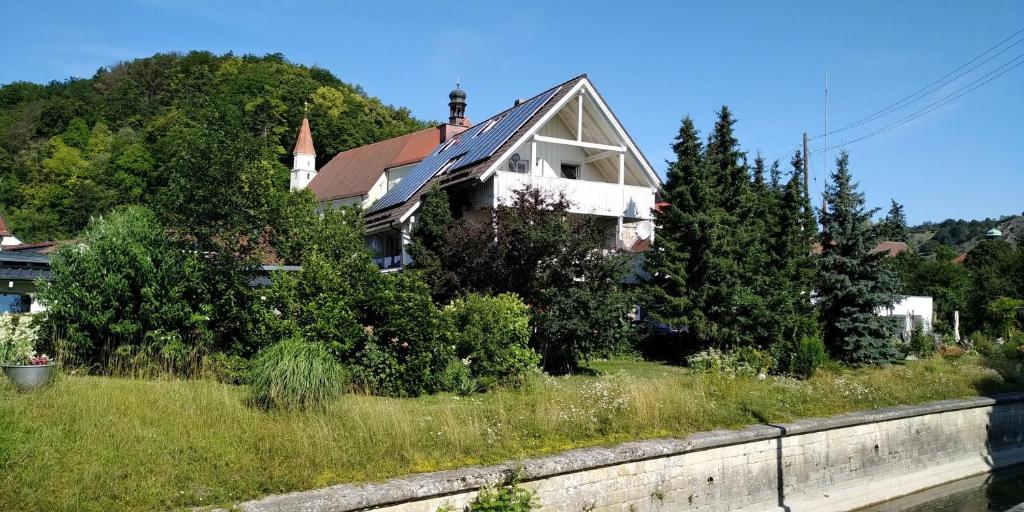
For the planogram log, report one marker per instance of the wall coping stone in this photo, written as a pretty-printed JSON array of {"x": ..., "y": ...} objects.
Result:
[{"x": 346, "y": 497}]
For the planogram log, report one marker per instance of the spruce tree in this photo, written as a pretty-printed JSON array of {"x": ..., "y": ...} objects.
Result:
[
  {"x": 680, "y": 244},
  {"x": 894, "y": 226},
  {"x": 791, "y": 266},
  {"x": 852, "y": 281}
]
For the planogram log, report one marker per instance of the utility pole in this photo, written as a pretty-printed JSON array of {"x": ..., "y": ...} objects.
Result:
[{"x": 807, "y": 189}]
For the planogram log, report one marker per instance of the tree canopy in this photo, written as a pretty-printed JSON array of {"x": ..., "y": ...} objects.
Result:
[{"x": 162, "y": 129}]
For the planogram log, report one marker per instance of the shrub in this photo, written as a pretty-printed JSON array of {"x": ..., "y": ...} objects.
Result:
[
  {"x": 295, "y": 374},
  {"x": 410, "y": 345},
  {"x": 534, "y": 248},
  {"x": 156, "y": 288},
  {"x": 17, "y": 339},
  {"x": 743, "y": 362},
  {"x": 226, "y": 369},
  {"x": 921, "y": 344},
  {"x": 808, "y": 355},
  {"x": 492, "y": 336},
  {"x": 510, "y": 498},
  {"x": 984, "y": 345}
]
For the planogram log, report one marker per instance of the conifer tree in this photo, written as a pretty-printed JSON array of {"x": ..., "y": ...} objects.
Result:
[
  {"x": 790, "y": 263},
  {"x": 434, "y": 222},
  {"x": 775, "y": 176},
  {"x": 894, "y": 226},
  {"x": 675, "y": 259},
  {"x": 852, "y": 282}
]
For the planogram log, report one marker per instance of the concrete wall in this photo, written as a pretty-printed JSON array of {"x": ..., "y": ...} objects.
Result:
[{"x": 832, "y": 464}]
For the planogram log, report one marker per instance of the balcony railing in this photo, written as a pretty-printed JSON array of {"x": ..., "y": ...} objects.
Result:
[{"x": 587, "y": 197}]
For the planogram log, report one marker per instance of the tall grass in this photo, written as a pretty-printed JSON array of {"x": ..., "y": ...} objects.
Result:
[
  {"x": 100, "y": 443},
  {"x": 295, "y": 374}
]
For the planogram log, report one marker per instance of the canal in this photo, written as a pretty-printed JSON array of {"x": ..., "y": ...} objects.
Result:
[{"x": 1001, "y": 491}]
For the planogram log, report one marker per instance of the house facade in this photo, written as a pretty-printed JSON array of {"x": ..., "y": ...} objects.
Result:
[{"x": 563, "y": 140}]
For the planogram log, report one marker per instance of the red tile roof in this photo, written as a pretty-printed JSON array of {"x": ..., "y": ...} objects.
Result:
[
  {"x": 353, "y": 172},
  {"x": 304, "y": 143},
  {"x": 893, "y": 248}
]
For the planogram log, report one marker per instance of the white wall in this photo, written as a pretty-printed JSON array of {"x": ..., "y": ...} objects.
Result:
[
  {"x": 395, "y": 175},
  {"x": 9, "y": 240},
  {"x": 303, "y": 171},
  {"x": 377, "y": 191},
  {"x": 920, "y": 307}
]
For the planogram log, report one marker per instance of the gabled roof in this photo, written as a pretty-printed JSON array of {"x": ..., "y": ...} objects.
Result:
[
  {"x": 377, "y": 218},
  {"x": 304, "y": 142},
  {"x": 353, "y": 172},
  {"x": 4, "y": 229},
  {"x": 469, "y": 168}
]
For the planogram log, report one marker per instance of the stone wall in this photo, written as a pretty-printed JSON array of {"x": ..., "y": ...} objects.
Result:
[{"x": 833, "y": 464}]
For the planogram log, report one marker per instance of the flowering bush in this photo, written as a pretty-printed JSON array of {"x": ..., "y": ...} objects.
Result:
[
  {"x": 40, "y": 360},
  {"x": 17, "y": 339}
]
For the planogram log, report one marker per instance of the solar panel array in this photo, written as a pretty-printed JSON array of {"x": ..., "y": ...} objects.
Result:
[{"x": 467, "y": 148}]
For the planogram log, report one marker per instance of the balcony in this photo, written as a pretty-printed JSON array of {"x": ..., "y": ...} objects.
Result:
[{"x": 587, "y": 197}]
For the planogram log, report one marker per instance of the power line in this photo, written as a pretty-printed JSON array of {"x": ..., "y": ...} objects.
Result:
[
  {"x": 916, "y": 95},
  {"x": 991, "y": 75}
]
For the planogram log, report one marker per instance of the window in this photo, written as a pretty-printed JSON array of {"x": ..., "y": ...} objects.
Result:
[
  {"x": 570, "y": 171},
  {"x": 14, "y": 303}
]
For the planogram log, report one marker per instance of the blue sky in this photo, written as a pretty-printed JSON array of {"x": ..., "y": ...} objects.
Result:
[{"x": 653, "y": 62}]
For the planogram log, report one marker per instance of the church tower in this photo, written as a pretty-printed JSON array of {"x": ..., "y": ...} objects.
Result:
[{"x": 304, "y": 163}]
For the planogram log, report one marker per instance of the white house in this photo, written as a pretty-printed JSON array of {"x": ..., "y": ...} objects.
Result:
[
  {"x": 914, "y": 310},
  {"x": 565, "y": 139}
]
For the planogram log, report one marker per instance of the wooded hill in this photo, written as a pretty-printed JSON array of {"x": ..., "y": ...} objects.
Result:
[
  {"x": 964, "y": 235},
  {"x": 80, "y": 147}
]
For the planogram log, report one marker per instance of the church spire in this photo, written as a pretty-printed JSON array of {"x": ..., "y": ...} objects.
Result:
[
  {"x": 304, "y": 162},
  {"x": 304, "y": 144}
]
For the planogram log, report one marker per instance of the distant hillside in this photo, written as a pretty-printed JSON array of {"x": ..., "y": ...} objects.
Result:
[
  {"x": 71, "y": 149},
  {"x": 963, "y": 235}
]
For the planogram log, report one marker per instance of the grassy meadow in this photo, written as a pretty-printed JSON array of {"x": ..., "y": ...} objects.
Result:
[{"x": 98, "y": 443}]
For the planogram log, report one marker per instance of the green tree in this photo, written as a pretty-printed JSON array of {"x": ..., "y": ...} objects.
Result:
[
  {"x": 535, "y": 249},
  {"x": 790, "y": 267},
  {"x": 138, "y": 111},
  {"x": 996, "y": 270},
  {"x": 894, "y": 226},
  {"x": 852, "y": 282},
  {"x": 676, "y": 259},
  {"x": 154, "y": 303},
  {"x": 432, "y": 226}
]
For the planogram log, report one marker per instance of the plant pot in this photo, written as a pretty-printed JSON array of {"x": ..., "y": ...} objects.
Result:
[{"x": 28, "y": 377}]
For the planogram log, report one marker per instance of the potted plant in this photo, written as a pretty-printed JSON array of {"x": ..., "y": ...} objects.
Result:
[{"x": 17, "y": 355}]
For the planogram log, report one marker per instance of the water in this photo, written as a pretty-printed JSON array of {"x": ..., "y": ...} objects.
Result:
[{"x": 1001, "y": 491}]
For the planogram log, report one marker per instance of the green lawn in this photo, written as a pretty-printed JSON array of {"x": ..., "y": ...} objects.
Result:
[{"x": 94, "y": 443}]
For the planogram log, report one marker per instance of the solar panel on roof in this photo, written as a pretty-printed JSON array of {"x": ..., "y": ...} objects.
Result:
[{"x": 467, "y": 148}]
